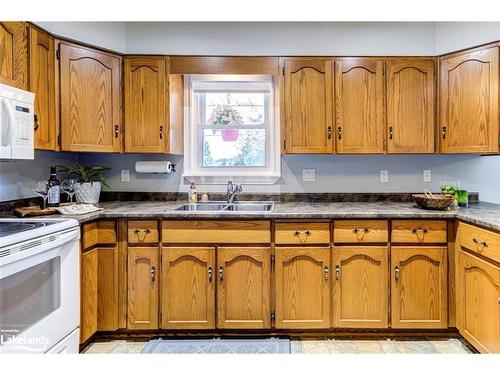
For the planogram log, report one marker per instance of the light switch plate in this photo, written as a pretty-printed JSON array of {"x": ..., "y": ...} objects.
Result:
[
  {"x": 125, "y": 175},
  {"x": 309, "y": 175},
  {"x": 384, "y": 175},
  {"x": 427, "y": 175}
]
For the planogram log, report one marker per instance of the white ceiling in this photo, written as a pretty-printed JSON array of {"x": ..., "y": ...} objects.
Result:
[{"x": 280, "y": 38}]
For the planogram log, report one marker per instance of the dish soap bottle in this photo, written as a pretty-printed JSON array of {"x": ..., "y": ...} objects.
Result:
[
  {"x": 193, "y": 196},
  {"x": 53, "y": 189}
]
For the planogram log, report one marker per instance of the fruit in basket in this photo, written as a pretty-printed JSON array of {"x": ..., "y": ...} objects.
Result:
[{"x": 448, "y": 189}]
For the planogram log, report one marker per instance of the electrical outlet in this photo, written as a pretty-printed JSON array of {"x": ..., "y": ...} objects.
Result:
[
  {"x": 309, "y": 175},
  {"x": 384, "y": 175},
  {"x": 427, "y": 175},
  {"x": 125, "y": 175}
]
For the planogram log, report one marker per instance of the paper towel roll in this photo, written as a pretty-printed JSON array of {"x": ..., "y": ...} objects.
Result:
[{"x": 154, "y": 167}]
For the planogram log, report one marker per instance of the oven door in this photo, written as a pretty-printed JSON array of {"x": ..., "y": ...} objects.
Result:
[{"x": 39, "y": 293}]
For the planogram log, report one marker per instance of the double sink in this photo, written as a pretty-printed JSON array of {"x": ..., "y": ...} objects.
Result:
[{"x": 223, "y": 207}]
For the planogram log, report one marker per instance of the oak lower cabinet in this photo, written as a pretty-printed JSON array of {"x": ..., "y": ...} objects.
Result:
[
  {"x": 478, "y": 302},
  {"x": 302, "y": 287},
  {"x": 88, "y": 294},
  {"x": 188, "y": 287},
  {"x": 244, "y": 287},
  {"x": 360, "y": 286},
  {"x": 419, "y": 287},
  {"x": 143, "y": 281}
]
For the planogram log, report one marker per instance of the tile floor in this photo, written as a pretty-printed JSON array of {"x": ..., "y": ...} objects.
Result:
[{"x": 318, "y": 346}]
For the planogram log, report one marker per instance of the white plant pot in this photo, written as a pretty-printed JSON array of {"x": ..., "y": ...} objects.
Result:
[{"x": 87, "y": 192}]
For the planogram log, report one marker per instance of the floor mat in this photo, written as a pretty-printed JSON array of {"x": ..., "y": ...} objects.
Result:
[{"x": 218, "y": 346}]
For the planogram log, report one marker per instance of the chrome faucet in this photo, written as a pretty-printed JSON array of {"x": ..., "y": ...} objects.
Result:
[{"x": 232, "y": 190}]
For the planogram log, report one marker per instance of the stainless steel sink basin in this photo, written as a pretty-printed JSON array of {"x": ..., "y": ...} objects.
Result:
[{"x": 226, "y": 207}]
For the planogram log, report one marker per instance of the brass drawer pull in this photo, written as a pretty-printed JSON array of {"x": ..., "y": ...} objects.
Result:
[
  {"x": 299, "y": 233},
  {"x": 479, "y": 242},
  {"x": 417, "y": 230},
  {"x": 361, "y": 230},
  {"x": 137, "y": 231}
]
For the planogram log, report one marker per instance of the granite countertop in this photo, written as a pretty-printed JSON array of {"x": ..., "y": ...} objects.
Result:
[{"x": 484, "y": 214}]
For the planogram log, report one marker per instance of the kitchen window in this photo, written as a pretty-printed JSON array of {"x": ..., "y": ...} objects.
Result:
[{"x": 231, "y": 129}]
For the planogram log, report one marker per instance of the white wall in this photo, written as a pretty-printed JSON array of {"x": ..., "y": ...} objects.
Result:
[{"x": 452, "y": 36}]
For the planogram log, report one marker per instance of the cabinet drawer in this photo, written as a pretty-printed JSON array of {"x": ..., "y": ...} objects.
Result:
[
  {"x": 481, "y": 241},
  {"x": 418, "y": 231},
  {"x": 216, "y": 231},
  {"x": 99, "y": 233},
  {"x": 143, "y": 231},
  {"x": 302, "y": 233},
  {"x": 360, "y": 231}
]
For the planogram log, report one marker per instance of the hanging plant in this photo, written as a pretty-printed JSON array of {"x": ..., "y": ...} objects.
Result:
[{"x": 225, "y": 114}]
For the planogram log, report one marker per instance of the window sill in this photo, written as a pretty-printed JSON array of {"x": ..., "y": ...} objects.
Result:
[{"x": 222, "y": 180}]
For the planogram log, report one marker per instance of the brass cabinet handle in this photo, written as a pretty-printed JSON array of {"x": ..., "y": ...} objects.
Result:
[
  {"x": 416, "y": 230},
  {"x": 396, "y": 273},
  {"x": 339, "y": 131},
  {"x": 361, "y": 230},
  {"x": 479, "y": 242},
  {"x": 326, "y": 271},
  {"x": 498, "y": 300},
  {"x": 161, "y": 131},
  {"x": 299, "y": 233},
  {"x": 117, "y": 130},
  {"x": 36, "y": 122},
  {"x": 337, "y": 272},
  {"x": 153, "y": 271},
  {"x": 221, "y": 273},
  {"x": 444, "y": 132},
  {"x": 391, "y": 132},
  {"x": 329, "y": 132},
  {"x": 137, "y": 231},
  {"x": 210, "y": 271}
]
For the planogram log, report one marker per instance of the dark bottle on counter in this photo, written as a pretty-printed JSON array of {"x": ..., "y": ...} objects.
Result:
[{"x": 53, "y": 189}]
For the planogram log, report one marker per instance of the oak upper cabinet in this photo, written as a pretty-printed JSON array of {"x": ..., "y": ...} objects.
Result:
[
  {"x": 146, "y": 103},
  {"x": 469, "y": 102},
  {"x": 303, "y": 287},
  {"x": 88, "y": 294},
  {"x": 419, "y": 287},
  {"x": 42, "y": 84},
  {"x": 90, "y": 99},
  {"x": 360, "y": 287},
  {"x": 478, "y": 301},
  {"x": 13, "y": 54},
  {"x": 188, "y": 288},
  {"x": 308, "y": 100},
  {"x": 410, "y": 105},
  {"x": 142, "y": 306},
  {"x": 244, "y": 287},
  {"x": 359, "y": 106}
]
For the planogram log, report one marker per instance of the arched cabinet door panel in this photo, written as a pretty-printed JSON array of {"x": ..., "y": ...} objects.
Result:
[
  {"x": 469, "y": 102},
  {"x": 411, "y": 101},
  {"x": 359, "y": 106},
  {"x": 360, "y": 287},
  {"x": 419, "y": 287},
  {"x": 244, "y": 288},
  {"x": 13, "y": 50},
  {"x": 303, "y": 287},
  {"x": 308, "y": 100}
]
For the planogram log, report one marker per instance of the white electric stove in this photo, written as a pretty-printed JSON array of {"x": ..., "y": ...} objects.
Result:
[{"x": 39, "y": 285}]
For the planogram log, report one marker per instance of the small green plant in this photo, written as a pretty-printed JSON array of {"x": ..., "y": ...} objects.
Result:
[{"x": 86, "y": 174}]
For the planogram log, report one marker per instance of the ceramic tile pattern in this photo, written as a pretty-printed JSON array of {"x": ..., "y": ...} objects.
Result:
[{"x": 318, "y": 346}]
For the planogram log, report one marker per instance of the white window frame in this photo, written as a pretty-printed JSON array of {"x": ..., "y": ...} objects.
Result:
[{"x": 193, "y": 170}]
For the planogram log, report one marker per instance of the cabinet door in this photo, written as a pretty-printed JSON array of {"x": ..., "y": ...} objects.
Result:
[
  {"x": 88, "y": 294},
  {"x": 244, "y": 288},
  {"x": 303, "y": 287},
  {"x": 478, "y": 300},
  {"x": 360, "y": 287},
  {"x": 308, "y": 106},
  {"x": 410, "y": 106},
  {"x": 359, "y": 106},
  {"x": 107, "y": 291},
  {"x": 142, "y": 311},
  {"x": 90, "y": 100},
  {"x": 419, "y": 287},
  {"x": 13, "y": 54},
  {"x": 42, "y": 83},
  {"x": 469, "y": 102},
  {"x": 188, "y": 288},
  {"x": 146, "y": 127}
]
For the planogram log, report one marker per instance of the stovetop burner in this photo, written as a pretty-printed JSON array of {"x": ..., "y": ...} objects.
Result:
[{"x": 8, "y": 228}]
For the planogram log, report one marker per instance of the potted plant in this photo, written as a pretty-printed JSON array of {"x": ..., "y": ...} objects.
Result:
[
  {"x": 225, "y": 114},
  {"x": 90, "y": 181}
]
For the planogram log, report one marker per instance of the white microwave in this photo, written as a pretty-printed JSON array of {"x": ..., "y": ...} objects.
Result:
[{"x": 16, "y": 123}]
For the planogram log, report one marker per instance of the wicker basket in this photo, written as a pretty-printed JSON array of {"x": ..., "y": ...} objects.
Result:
[{"x": 431, "y": 201}]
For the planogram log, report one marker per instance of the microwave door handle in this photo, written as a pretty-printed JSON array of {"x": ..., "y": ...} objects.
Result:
[{"x": 8, "y": 129}]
